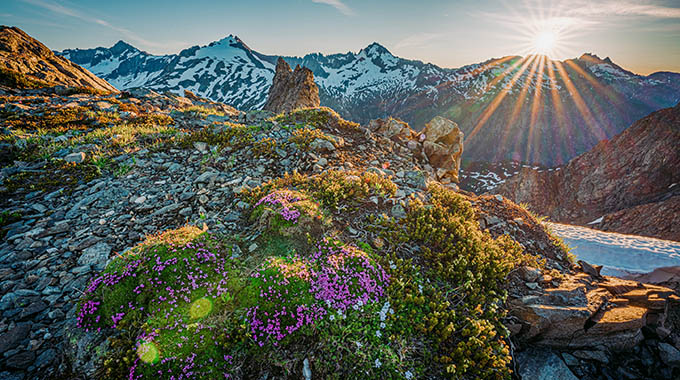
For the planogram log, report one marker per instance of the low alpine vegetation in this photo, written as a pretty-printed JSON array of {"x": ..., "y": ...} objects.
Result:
[{"x": 424, "y": 295}]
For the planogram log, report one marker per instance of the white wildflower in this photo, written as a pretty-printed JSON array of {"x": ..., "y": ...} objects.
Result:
[
  {"x": 378, "y": 334},
  {"x": 359, "y": 345},
  {"x": 408, "y": 375},
  {"x": 382, "y": 325},
  {"x": 332, "y": 317},
  {"x": 378, "y": 363}
]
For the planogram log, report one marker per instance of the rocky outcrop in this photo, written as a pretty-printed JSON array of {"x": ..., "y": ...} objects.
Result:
[
  {"x": 583, "y": 312},
  {"x": 440, "y": 143},
  {"x": 631, "y": 182},
  {"x": 22, "y": 54},
  {"x": 443, "y": 146},
  {"x": 292, "y": 89}
]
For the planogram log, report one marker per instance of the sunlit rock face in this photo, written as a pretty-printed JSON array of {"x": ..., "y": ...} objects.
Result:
[
  {"x": 512, "y": 108},
  {"x": 292, "y": 89},
  {"x": 627, "y": 184},
  {"x": 25, "y": 55}
]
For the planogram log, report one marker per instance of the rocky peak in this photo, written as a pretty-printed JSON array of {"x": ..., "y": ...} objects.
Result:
[
  {"x": 122, "y": 46},
  {"x": 375, "y": 49},
  {"x": 292, "y": 89}
]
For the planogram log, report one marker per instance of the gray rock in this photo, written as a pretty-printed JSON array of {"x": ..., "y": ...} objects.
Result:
[
  {"x": 185, "y": 211},
  {"x": 232, "y": 216},
  {"x": 529, "y": 274},
  {"x": 570, "y": 360},
  {"x": 669, "y": 355},
  {"x": 11, "y": 375},
  {"x": 542, "y": 364},
  {"x": 599, "y": 356},
  {"x": 14, "y": 336},
  {"x": 416, "y": 179},
  {"x": 398, "y": 211},
  {"x": 76, "y": 157},
  {"x": 21, "y": 360},
  {"x": 38, "y": 207},
  {"x": 236, "y": 251},
  {"x": 201, "y": 146},
  {"x": 96, "y": 256},
  {"x": 205, "y": 177},
  {"x": 166, "y": 209},
  {"x": 32, "y": 309},
  {"x": 46, "y": 358},
  {"x": 306, "y": 370},
  {"x": 321, "y": 145}
]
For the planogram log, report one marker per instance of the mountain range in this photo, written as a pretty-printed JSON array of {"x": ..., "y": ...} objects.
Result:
[{"x": 528, "y": 109}]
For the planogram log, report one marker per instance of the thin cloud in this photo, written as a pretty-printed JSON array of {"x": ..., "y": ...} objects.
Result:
[
  {"x": 417, "y": 40},
  {"x": 60, "y": 9},
  {"x": 625, "y": 8},
  {"x": 337, "y": 4}
]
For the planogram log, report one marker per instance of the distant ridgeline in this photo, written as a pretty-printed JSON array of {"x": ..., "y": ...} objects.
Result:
[{"x": 528, "y": 109}]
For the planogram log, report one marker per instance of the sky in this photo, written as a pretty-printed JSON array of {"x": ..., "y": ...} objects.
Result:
[{"x": 642, "y": 36}]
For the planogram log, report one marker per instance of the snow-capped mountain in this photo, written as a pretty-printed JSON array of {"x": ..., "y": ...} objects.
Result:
[{"x": 513, "y": 108}]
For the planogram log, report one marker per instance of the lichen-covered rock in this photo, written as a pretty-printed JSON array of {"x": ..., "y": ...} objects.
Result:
[{"x": 292, "y": 89}]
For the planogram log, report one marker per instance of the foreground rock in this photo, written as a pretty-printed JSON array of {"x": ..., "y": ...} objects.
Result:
[
  {"x": 629, "y": 184},
  {"x": 440, "y": 143},
  {"x": 443, "y": 146},
  {"x": 292, "y": 89}
]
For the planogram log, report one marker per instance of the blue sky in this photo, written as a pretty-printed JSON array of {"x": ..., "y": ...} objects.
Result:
[{"x": 641, "y": 35}]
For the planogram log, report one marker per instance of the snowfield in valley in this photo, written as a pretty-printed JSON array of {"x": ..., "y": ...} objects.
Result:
[{"x": 619, "y": 254}]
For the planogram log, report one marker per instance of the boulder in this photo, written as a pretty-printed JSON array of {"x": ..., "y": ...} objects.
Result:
[
  {"x": 538, "y": 364},
  {"x": 669, "y": 355},
  {"x": 76, "y": 157},
  {"x": 443, "y": 145},
  {"x": 391, "y": 128},
  {"x": 292, "y": 89},
  {"x": 581, "y": 314}
]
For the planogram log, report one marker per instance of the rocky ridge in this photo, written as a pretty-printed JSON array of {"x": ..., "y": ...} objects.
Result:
[
  {"x": 628, "y": 184},
  {"x": 23, "y": 55}
]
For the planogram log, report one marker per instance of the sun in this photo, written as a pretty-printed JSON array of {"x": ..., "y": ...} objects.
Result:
[{"x": 544, "y": 42}]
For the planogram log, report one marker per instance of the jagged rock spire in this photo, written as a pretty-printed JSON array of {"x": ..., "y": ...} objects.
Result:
[{"x": 292, "y": 89}]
